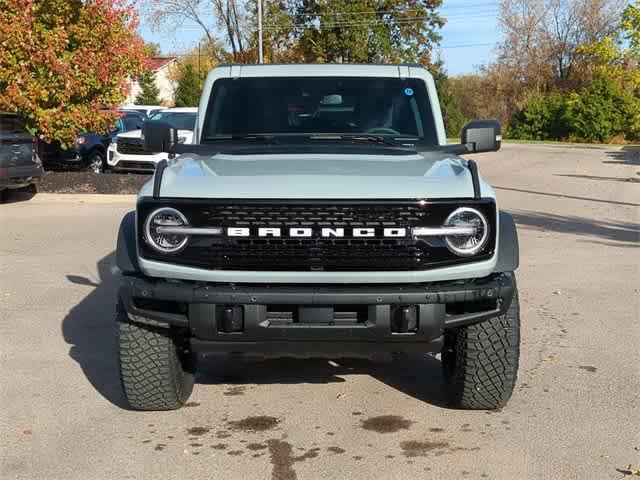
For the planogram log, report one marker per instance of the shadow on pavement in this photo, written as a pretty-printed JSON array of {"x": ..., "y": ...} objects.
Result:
[
  {"x": 625, "y": 156},
  {"x": 15, "y": 196},
  {"x": 562, "y": 195},
  {"x": 417, "y": 376},
  {"x": 608, "y": 230},
  {"x": 89, "y": 329},
  {"x": 593, "y": 177}
]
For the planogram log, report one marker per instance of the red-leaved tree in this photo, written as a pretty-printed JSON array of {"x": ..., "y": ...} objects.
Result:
[{"x": 64, "y": 64}]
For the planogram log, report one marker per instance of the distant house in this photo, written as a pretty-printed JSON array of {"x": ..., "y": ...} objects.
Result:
[{"x": 161, "y": 67}]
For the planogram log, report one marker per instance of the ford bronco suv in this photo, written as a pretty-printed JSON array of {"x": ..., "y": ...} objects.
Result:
[{"x": 318, "y": 212}]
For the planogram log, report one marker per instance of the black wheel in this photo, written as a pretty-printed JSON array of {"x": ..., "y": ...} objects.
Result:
[
  {"x": 96, "y": 162},
  {"x": 4, "y": 195},
  {"x": 156, "y": 370},
  {"x": 480, "y": 361}
]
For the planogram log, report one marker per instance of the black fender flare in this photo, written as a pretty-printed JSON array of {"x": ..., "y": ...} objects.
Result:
[
  {"x": 126, "y": 251},
  {"x": 508, "y": 250}
]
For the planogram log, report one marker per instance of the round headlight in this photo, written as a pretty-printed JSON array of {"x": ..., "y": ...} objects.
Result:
[
  {"x": 467, "y": 245},
  {"x": 161, "y": 241}
]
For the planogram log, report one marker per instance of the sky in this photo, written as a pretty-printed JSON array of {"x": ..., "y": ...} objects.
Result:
[{"x": 468, "y": 38}]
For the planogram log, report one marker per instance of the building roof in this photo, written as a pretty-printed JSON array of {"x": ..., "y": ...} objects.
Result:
[{"x": 156, "y": 63}]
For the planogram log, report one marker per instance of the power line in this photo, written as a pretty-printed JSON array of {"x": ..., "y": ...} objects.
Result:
[
  {"x": 385, "y": 12},
  {"x": 365, "y": 23}
]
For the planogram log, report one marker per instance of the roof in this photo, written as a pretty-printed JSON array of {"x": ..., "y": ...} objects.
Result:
[
  {"x": 156, "y": 63},
  {"x": 322, "y": 70},
  {"x": 181, "y": 110}
]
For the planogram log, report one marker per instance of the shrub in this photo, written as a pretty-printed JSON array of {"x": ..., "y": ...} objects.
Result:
[
  {"x": 602, "y": 110},
  {"x": 543, "y": 117}
]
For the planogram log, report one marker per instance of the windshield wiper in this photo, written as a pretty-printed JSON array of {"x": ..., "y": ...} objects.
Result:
[
  {"x": 269, "y": 139},
  {"x": 367, "y": 138}
]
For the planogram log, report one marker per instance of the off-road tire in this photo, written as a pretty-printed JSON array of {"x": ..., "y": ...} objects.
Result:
[
  {"x": 156, "y": 371},
  {"x": 480, "y": 361}
]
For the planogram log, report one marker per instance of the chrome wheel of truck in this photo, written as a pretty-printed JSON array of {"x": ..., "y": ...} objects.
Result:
[{"x": 96, "y": 162}]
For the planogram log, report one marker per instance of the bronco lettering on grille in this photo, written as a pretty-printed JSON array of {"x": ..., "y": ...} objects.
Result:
[{"x": 304, "y": 232}]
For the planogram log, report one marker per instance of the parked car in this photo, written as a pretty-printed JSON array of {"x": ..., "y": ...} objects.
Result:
[
  {"x": 126, "y": 152},
  {"x": 318, "y": 211},
  {"x": 90, "y": 151},
  {"x": 20, "y": 166},
  {"x": 147, "y": 110}
]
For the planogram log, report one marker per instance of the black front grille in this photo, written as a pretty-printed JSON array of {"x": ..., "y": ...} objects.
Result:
[
  {"x": 315, "y": 253},
  {"x": 132, "y": 146},
  {"x": 137, "y": 166}
]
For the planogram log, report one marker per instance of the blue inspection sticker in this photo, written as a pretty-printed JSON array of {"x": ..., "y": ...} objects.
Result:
[{"x": 408, "y": 91}]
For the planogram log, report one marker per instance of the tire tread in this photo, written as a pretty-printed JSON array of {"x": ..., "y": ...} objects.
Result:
[
  {"x": 151, "y": 371},
  {"x": 481, "y": 361}
]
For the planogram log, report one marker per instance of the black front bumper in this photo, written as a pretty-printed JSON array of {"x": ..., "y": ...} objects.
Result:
[{"x": 340, "y": 320}]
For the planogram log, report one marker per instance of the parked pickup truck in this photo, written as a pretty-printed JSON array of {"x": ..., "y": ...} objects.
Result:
[
  {"x": 127, "y": 153},
  {"x": 319, "y": 212}
]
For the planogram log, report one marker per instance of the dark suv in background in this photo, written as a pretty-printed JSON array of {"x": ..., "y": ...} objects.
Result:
[
  {"x": 90, "y": 152},
  {"x": 20, "y": 166}
]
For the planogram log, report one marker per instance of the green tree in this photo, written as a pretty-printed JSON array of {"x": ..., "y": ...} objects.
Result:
[
  {"x": 603, "y": 110},
  {"x": 449, "y": 102},
  {"x": 148, "y": 90},
  {"x": 189, "y": 87},
  {"x": 631, "y": 27},
  {"x": 62, "y": 63},
  {"x": 386, "y": 31}
]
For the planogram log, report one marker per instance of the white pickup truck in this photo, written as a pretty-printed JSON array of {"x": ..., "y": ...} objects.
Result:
[{"x": 127, "y": 153}]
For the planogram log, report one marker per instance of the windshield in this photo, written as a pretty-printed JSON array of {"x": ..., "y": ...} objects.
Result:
[
  {"x": 312, "y": 106},
  {"x": 179, "y": 120}
]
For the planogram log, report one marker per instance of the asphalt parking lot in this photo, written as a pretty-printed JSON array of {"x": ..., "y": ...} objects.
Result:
[{"x": 574, "y": 413}]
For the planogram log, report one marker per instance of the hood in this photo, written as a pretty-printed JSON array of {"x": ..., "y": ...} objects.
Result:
[{"x": 316, "y": 176}]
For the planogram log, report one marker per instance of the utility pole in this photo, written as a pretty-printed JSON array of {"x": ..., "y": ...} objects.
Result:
[{"x": 260, "y": 59}]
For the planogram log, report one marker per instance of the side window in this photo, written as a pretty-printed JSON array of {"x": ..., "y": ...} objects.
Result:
[
  {"x": 131, "y": 122},
  {"x": 119, "y": 125},
  {"x": 9, "y": 124}
]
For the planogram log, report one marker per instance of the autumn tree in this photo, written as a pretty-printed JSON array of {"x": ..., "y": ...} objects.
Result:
[
  {"x": 64, "y": 64},
  {"x": 191, "y": 71},
  {"x": 212, "y": 16},
  {"x": 542, "y": 37}
]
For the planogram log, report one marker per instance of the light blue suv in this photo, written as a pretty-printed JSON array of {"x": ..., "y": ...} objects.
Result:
[{"x": 318, "y": 211}]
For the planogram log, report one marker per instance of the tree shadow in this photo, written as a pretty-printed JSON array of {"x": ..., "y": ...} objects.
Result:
[
  {"x": 89, "y": 329},
  {"x": 628, "y": 155},
  {"x": 625, "y": 232}
]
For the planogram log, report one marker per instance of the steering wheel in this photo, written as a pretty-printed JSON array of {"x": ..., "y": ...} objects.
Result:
[{"x": 382, "y": 131}]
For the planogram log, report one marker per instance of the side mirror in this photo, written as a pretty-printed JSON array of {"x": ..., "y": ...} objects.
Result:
[
  {"x": 158, "y": 136},
  {"x": 482, "y": 135}
]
